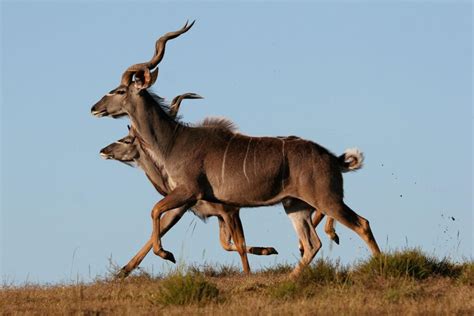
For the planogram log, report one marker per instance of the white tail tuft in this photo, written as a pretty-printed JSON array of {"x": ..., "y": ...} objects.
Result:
[{"x": 353, "y": 159}]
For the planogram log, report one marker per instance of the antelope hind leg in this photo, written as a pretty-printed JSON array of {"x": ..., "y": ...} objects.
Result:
[
  {"x": 346, "y": 216},
  {"x": 330, "y": 231},
  {"x": 301, "y": 221},
  {"x": 225, "y": 240},
  {"x": 235, "y": 226}
]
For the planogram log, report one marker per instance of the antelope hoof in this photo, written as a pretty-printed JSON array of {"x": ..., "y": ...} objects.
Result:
[
  {"x": 166, "y": 255},
  {"x": 335, "y": 238},
  {"x": 263, "y": 251},
  {"x": 269, "y": 251},
  {"x": 301, "y": 252},
  {"x": 122, "y": 274}
]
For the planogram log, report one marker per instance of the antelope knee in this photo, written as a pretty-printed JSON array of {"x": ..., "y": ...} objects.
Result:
[
  {"x": 364, "y": 225},
  {"x": 227, "y": 247},
  {"x": 155, "y": 213}
]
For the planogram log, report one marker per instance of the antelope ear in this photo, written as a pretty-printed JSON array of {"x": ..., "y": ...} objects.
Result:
[
  {"x": 142, "y": 79},
  {"x": 153, "y": 77}
]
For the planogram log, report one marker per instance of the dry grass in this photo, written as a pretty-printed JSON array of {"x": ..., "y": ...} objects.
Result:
[{"x": 406, "y": 282}]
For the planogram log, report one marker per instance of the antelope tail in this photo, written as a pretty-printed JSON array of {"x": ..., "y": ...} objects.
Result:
[{"x": 351, "y": 160}]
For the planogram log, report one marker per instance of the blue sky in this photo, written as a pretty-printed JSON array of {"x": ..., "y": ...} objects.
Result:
[{"x": 392, "y": 78}]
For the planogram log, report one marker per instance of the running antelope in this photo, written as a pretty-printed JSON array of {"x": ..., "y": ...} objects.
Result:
[
  {"x": 129, "y": 151},
  {"x": 216, "y": 165}
]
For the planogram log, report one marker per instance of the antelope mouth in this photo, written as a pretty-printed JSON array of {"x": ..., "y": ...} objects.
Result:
[
  {"x": 101, "y": 113},
  {"x": 105, "y": 156}
]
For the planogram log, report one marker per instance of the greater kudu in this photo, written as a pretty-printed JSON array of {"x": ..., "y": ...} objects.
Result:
[
  {"x": 128, "y": 150},
  {"x": 215, "y": 165}
]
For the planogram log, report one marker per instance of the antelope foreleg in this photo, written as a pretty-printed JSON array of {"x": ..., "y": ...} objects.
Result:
[
  {"x": 175, "y": 199},
  {"x": 168, "y": 221}
]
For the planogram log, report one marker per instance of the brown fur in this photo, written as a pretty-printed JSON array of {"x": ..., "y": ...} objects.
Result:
[{"x": 211, "y": 165}]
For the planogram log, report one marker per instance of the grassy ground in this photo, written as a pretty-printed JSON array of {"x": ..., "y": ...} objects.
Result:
[{"x": 407, "y": 282}]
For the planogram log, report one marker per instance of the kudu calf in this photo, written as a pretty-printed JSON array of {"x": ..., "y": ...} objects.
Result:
[
  {"x": 128, "y": 150},
  {"x": 216, "y": 165}
]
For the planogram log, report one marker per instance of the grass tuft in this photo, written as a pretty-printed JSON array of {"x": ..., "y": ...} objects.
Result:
[
  {"x": 185, "y": 289},
  {"x": 285, "y": 290},
  {"x": 320, "y": 273},
  {"x": 400, "y": 291},
  {"x": 210, "y": 270},
  {"x": 278, "y": 269},
  {"x": 410, "y": 263},
  {"x": 405, "y": 282},
  {"x": 323, "y": 271},
  {"x": 467, "y": 273}
]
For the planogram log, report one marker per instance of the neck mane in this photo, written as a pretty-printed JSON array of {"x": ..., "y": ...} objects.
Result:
[
  {"x": 153, "y": 126},
  {"x": 219, "y": 123}
]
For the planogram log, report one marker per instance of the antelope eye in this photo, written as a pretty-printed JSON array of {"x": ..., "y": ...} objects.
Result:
[
  {"x": 124, "y": 141},
  {"x": 120, "y": 91}
]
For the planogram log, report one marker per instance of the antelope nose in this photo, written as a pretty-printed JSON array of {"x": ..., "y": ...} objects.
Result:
[{"x": 104, "y": 155}]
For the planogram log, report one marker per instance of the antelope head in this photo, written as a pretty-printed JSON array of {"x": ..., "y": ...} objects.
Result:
[
  {"x": 124, "y": 150},
  {"x": 135, "y": 80}
]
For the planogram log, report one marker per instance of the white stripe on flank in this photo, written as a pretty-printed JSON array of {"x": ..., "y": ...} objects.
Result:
[
  {"x": 245, "y": 160},
  {"x": 255, "y": 158},
  {"x": 223, "y": 159}
]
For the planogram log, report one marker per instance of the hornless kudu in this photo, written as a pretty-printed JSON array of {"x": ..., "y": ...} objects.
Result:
[
  {"x": 216, "y": 165},
  {"x": 128, "y": 150}
]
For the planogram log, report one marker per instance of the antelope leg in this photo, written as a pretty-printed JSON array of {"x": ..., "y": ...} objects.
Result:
[
  {"x": 168, "y": 221},
  {"x": 234, "y": 226},
  {"x": 346, "y": 216},
  {"x": 225, "y": 240},
  {"x": 330, "y": 231},
  {"x": 307, "y": 235},
  {"x": 177, "y": 198}
]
